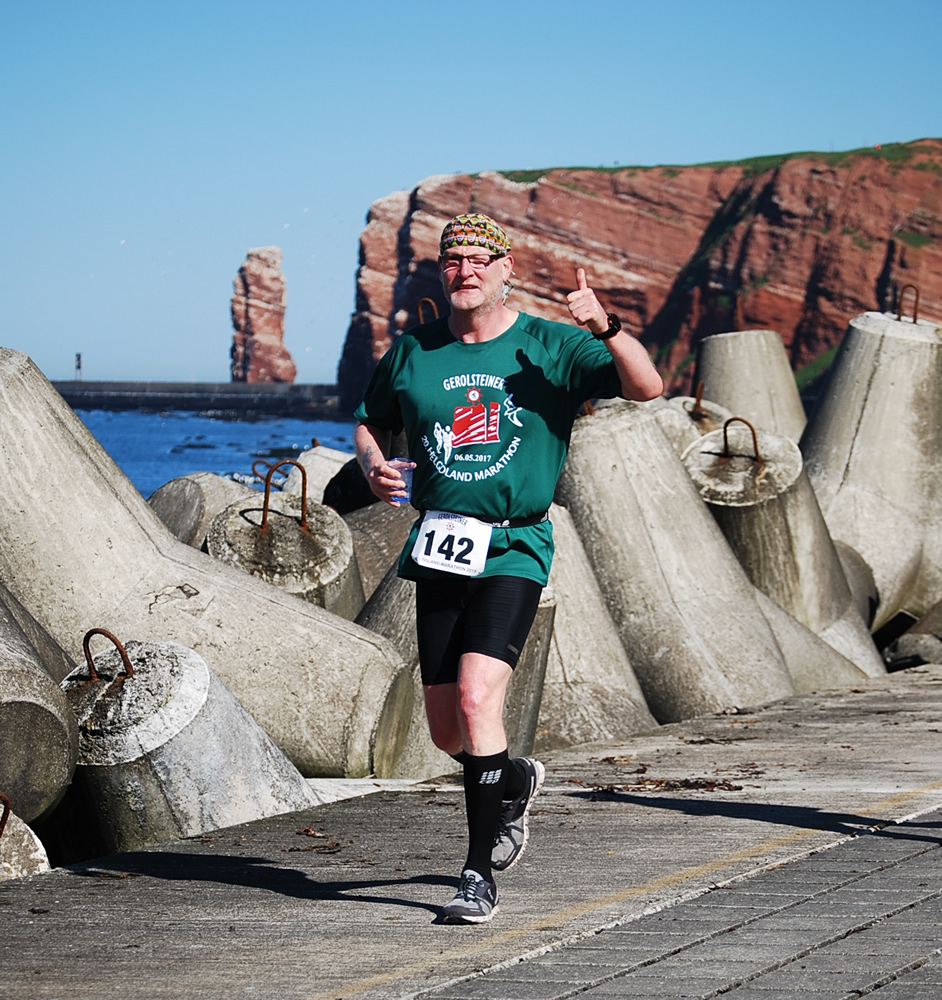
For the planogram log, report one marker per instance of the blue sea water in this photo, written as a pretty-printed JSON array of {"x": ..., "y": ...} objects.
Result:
[{"x": 153, "y": 448}]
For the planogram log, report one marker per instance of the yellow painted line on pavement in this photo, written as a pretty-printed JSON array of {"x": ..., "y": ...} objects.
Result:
[{"x": 600, "y": 902}]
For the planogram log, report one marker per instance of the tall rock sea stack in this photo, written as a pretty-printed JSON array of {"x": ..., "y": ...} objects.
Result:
[
  {"x": 795, "y": 243},
  {"x": 258, "y": 320}
]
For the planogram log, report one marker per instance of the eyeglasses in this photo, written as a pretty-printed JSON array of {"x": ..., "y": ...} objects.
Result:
[{"x": 453, "y": 262}]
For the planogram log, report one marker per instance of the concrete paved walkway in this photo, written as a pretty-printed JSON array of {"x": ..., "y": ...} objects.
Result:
[{"x": 790, "y": 851}]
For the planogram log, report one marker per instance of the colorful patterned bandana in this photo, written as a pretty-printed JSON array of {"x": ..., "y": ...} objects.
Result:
[{"x": 474, "y": 231}]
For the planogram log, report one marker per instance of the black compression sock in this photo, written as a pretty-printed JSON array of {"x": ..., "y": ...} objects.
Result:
[{"x": 484, "y": 781}]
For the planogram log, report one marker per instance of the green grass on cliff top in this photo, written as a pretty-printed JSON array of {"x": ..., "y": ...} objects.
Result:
[{"x": 895, "y": 152}]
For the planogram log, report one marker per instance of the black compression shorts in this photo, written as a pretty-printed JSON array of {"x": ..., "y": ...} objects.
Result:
[{"x": 481, "y": 614}]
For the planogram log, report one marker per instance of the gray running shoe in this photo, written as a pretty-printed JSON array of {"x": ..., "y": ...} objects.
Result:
[
  {"x": 475, "y": 901},
  {"x": 513, "y": 831}
]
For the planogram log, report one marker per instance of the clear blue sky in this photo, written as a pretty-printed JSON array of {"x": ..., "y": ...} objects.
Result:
[{"x": 148, "y": 145}]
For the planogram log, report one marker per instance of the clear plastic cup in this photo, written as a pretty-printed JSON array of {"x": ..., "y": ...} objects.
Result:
[{"x": 404, "y": 467}]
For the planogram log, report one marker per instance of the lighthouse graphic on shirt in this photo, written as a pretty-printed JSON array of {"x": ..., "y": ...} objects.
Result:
[{"x": 476, "y": 423}]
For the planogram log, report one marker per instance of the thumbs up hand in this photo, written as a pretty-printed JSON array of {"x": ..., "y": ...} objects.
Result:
[{"x": 584, "y": 307}]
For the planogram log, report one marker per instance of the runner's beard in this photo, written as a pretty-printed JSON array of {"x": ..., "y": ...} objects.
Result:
[{"x": 489, "y": 302}]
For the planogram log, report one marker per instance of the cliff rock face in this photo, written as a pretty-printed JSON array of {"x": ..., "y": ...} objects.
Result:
[
  {"x": 258, "y": 320},
  {"x": 798, "y": 243}
]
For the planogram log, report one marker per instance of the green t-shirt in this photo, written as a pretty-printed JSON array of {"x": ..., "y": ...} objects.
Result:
[{"x": 488, "y": 426}]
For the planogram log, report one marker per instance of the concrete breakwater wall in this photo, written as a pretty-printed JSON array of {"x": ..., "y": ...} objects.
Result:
[
  {"x": 670, "y": 619},
  {"x": 283, "y": 399}
]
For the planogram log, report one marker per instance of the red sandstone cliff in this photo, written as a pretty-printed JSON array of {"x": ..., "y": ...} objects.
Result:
[
  {"x": 805, "y": 242},
  {"x": 258, "y": 320}
]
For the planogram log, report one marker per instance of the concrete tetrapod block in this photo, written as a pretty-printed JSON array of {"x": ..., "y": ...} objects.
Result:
[
  {"x": 38, "y": 735},
  {"x": 676, "y": 424},
  {"x": 684, "y": 419},
  {"x": 812, "y": 662},
  {"x": 313, "y": 561},
  {"x": 56, "y": 662},
  {"x": 873, "y": 451},
  {"x": 321, "y": 464},
  {"x": 328, "y": 693},
  {"x": 379, "y": 532},
  {"x": 755, "y": 485},
  {"x": 749, "y": 373},
  {"x": 859, "y": 578},
  {"x": 590, "y": 692},
  {"x": 188, "y": 504},
  {"x": 168, "y": 752},
  {"x": 683, "y": 606},
  {"x": 21, "y": 851}
]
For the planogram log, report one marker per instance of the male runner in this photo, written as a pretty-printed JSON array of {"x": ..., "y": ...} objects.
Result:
[{"x": 487, "y": 396}]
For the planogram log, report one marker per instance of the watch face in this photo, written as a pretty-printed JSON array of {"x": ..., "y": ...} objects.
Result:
[{"x": 614, "y": 323}]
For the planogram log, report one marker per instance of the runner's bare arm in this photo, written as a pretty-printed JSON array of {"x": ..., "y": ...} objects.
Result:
[
  {"x": 639, "y": 378},
  {"x": 371, "y": 445}
]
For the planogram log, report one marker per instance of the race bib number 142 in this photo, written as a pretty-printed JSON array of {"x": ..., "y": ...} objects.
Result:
[{"x": 452, "y": 542}]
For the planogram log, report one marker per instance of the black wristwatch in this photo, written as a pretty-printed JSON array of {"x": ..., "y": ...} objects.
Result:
[{"x": 614, "y": 325}]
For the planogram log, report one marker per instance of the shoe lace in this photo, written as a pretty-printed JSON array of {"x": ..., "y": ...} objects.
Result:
[
  {"x": 466, "y": 887},
  {"x": 507, "y": 807}
]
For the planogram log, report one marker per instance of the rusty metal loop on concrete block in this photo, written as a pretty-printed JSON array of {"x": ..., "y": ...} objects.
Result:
[
  {"x": 902, "y": 295},
  {"x": 261, "y": 466},
  {"x": 277, "y": 465},
  {"x": 92, "y": 673},
  {"x": 697, "y": 412},
  {"x": 6, "y": 812},
  {"x": 755, "y": 439},
  {"x": 431, "y": 302}
]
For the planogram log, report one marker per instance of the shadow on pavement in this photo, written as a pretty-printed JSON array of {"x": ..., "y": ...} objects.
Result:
[
  {"x": 804, "y": 817},
  {"x": 254, "y": 873}
]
